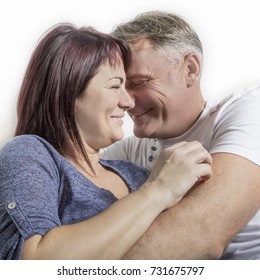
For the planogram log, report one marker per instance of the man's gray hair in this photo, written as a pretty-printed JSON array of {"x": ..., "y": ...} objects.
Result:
[{"x": 161, "y": 30}]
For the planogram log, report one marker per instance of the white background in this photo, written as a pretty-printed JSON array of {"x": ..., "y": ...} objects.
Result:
[{"x": 229, "y": 31}]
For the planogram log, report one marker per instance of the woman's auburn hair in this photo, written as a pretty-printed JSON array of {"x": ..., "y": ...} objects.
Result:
[{"x": 61, "y": 67}]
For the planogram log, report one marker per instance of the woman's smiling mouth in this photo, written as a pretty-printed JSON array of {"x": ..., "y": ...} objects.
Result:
[{"x": 118, "y": 118}]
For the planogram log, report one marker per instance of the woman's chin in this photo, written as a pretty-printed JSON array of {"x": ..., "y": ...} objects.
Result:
[{"x": 116, "y": 137}]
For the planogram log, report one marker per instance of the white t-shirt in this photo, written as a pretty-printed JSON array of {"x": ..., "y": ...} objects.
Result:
[{"x": 231, "y": 126}]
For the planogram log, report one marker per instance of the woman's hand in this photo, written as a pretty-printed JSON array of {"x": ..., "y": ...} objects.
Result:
[{"x": 177, "y": 169}]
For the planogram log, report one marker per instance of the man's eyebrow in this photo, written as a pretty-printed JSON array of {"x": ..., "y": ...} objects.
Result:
[{"x": 137, "y": 76}]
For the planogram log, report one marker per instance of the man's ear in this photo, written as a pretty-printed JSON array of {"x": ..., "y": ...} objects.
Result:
[{"x": 193, "y": 67}]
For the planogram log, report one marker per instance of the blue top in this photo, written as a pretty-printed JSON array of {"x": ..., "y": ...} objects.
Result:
[{"x": 41, "y": 190}]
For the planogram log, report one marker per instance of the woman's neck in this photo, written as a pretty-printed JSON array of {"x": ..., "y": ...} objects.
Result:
[{"x": 79, "y": 162}]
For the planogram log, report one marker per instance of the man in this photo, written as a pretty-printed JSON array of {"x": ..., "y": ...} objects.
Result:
[{"x": 219, "y": 218}]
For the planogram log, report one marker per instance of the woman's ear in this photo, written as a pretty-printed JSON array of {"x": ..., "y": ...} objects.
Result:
[{"x": 192, "y": 66}]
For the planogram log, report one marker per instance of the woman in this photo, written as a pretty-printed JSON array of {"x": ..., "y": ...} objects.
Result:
[{"x": 58, "y": 199}]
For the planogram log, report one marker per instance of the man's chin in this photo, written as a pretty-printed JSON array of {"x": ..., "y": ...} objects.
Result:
[{"x": 140, "y": 132}]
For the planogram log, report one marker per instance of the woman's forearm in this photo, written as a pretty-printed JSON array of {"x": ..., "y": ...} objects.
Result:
[{"x": 108, "y": 235}]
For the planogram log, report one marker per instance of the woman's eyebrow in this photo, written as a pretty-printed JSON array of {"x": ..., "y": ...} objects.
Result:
[{"x": 120, "y": 78}]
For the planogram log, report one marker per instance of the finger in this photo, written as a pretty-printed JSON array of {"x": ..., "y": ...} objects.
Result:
[
  {"x": 200, "y": 155},
  {"x": 204, "y": 171}
]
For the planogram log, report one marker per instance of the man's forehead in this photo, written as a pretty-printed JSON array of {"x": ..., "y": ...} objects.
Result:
[
  {"x": 140, "y": 44},
  {"x": 145, "y": 63}
]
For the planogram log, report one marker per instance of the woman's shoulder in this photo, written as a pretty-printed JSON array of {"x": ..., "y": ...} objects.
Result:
[
  {"x": 25, "y": 160},
  {"x": 28, "y": 141},
  {"x": 30, "y": 146}
]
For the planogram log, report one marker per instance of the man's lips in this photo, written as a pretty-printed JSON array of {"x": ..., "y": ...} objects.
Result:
[{"x": 139, "y": 114}]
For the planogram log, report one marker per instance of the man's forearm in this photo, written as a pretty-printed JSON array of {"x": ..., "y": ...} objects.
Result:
[
  {"x": 173, "y": 235},
  {"x": 203, "y": 223}
]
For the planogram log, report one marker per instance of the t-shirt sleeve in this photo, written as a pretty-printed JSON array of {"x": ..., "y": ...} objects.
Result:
[
  {"x": 238, "y": 129},
  {"x": 29, "y": 182}
]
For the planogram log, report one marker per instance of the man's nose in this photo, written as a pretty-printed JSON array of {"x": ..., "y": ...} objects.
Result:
[
  {"x": 127, "y": 101},
  {"x": 131, "y": 93}
]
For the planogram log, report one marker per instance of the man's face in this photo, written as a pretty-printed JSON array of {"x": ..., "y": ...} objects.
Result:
[{"x": 162, "y": 98}]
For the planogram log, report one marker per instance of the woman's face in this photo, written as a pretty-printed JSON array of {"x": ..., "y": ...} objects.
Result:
[{"x": 99, "y": 111}]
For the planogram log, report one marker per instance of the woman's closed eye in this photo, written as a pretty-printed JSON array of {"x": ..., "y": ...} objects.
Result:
[
  {"x": 116, "y": 86},
  {"x": 115, "y": 83}
]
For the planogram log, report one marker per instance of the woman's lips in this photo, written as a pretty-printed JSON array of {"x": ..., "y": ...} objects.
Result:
[{"x": 118, "y": 118}]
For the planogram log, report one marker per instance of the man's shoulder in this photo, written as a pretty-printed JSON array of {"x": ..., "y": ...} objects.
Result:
[
  {"x": 250, "y": 94},
  {"x": 129, "y": 145},
  {"x": 134, "y": 149},
  {"x": 135, "y": 141}
]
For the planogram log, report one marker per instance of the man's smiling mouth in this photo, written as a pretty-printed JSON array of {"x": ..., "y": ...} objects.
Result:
[{"x": 137, "y": 115}]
